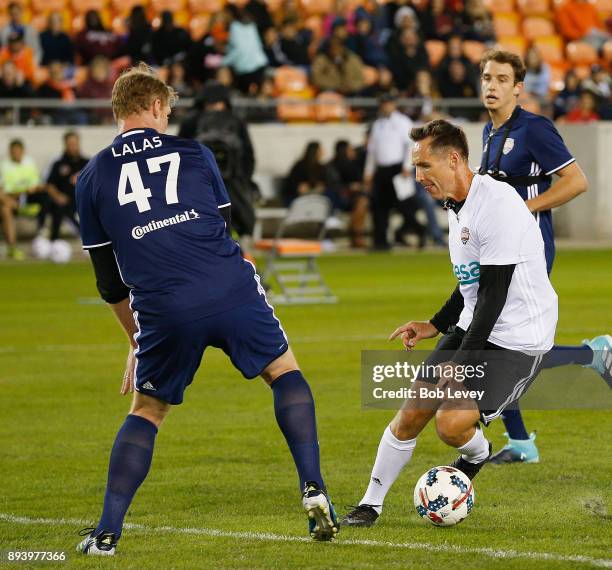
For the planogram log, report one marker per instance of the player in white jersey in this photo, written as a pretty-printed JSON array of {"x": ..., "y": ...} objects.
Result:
[{"x": 504, "y": 310}]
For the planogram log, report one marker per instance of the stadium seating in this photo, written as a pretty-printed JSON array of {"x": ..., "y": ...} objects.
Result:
[
  {"x": 171, "y": 5},
  {"x": 289, "y": 79},
  {"x": 207, "y": 6},
  {"x": 330, "y": 106},
  {"x": 607, "y": 52},
  {"x": 317, "y": 7},
  {"x": 198, "y": 25},
  {"x": 124, "y": 7},
  {"x": 536, "y": 26},
  {"x": 43, "y": 6},
  {"x": 436, "y": 50},
  {"x": 581, "y": 53},
  {"x": 82, "y": 6},
  {"x": 473, "y": 50},
  {"x": 550, "y": 48},
  {"x": 496, "y": 6},
  {"x": 514, "y": 44},
  {"x": 534, "y": 7},
  {"x": 506, "y": 24}
]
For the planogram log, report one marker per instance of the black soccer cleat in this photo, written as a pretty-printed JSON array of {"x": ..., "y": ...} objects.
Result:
[
  {"x": 361, "y": 515},
  {"x": 102, "y": 544},
  {"x": 471, "y": 469}
]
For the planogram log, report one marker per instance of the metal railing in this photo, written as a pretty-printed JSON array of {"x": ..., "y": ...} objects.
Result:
[{"x": 30, "y": 111}]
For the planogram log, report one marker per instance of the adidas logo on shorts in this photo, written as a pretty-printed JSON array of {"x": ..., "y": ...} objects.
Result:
[{"x": 148, "y": 386}]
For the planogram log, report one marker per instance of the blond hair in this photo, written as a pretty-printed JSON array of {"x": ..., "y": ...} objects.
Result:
[{"x": 136, "y": 89}]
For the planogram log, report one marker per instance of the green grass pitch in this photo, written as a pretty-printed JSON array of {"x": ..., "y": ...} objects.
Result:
[{"x": 221, "y": 467}]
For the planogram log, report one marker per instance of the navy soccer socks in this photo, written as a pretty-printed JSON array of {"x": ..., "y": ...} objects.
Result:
[
  {"x": 513, "y": 422},
  {"x": 560, "y": 355},
  {"x": 129, "y": 464},
  {"x": 295, "y": 413}
]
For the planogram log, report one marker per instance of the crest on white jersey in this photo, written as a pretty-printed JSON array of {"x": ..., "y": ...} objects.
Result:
[
  {"x": 465, "y": 235},
  {"x": 508, "y": 145}
]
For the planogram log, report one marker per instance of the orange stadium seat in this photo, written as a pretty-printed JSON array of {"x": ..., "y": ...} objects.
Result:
[
  {"x": 607, "y": 51},
  {"x": 496, "y": 6},
  {"x": 198, "y": 26},
  {"x": 274, "y": 5},
  {"x": 436, "y": 50},
  {"x": 330, "y": 106},
  {"x": 208, "y": 6},
  {"x": 82, "y": 6},
  {"x": 557, "y": 76},
  {"x": 473, "y": 50},
  {"x": 239, "y": 3},
  {"x": 159, "y": 6},
  {"x": 514, "y": 44},
  {"x": 44, "y": 6},
  {"x": 370, "y": 75},
  {"x": 550, "y": 48},
  {"x": 603, "y": 6},
  {"x": 4, "y": 4},
  {"x": 317, "y": 7},
  {"x": 581, "y": 53},
  {"x": 124, "y": 7},
  {"x": 289, "y": 79},
  {"x": 315, "y": 25},
  {"x": 582, "y": 71},
  {"x": 536, "y": 26},
  {"x": 534, "y": 7},
  {"x": 506, "y": 24}
]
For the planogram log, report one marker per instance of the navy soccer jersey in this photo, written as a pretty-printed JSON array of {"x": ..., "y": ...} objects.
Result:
[
  {"x": 531, "y": 147},
  {"x": 156, "y": 199}
]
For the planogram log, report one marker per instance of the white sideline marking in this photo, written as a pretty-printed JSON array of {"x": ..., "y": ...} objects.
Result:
[{"x": 265, "y": 536}]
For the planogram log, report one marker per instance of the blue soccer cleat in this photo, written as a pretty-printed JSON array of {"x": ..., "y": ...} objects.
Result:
[
  {"x": 602, "y": 356},
  {"x": 103, "y": 544},
  {"x": 517, "y": 451},
  {"x": 322, "y": 520}
]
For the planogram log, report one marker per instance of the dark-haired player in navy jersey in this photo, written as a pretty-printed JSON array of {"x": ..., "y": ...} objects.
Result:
[
  {"x": 526, "y": 151},
  {"x": 154, "y": 217}
]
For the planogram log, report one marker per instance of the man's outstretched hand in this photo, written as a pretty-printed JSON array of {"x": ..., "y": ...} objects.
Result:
[{"x": 413, "y": 331}]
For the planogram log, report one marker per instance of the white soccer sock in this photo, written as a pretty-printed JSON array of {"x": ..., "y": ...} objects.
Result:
[
  {"x": 392, "y": 456},
  {"x": 477, "y": 449}
]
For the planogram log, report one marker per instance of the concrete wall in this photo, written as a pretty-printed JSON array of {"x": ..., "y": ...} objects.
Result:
[{"x": 277, "y": 146}]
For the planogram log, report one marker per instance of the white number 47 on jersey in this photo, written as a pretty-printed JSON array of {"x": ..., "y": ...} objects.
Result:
[{"x": 130, "y": 176}]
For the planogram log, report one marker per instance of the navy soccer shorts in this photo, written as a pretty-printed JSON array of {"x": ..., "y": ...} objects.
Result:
[
  {"x": 168, "y": 357},
  {"x": 507, "y": 374}
]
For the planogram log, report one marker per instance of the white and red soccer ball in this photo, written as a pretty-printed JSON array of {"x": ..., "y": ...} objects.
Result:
[{"x": 444, "y": 496}]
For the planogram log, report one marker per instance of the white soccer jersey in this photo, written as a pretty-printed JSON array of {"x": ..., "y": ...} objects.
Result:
[{"x": 495, "y": 227}]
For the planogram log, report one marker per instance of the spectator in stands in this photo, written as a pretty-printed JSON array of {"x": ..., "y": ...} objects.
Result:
[
  {"x": 177, "y": 79},
  {"x": 345, "y": 190},
  {"x": 205, "y": 56},
  {"x": 406, "y": 59},
  {"x": 21, "y": 190},
  {"x": 17, "y": 26},
  {"x": 20, "y": 54},
  {"x": 98, "y": 85},
  {"x": 56, "y": 86},
  {"x": 55, "y": 43},
  {"x": 366, "y": 44},
  {"x": 61, "y": 182},
  {"x": 169, "y": 40},
  {"x": 273, "y": 49},
  {"x": 245, "y": 53},
  {"x": 454, "y": 52},
  {"x": 585, "y": 110},
  {"x": 139, "y": 41},
  {"x": 578, "y": 20},
  {"x": 294, "y": 44},
  {"x": 383, "y": 86},
  {"x": 438, "y": 21},
  {"x": 537, "y": 78},
  {"x": 307, "y": 175},
  {"x": 337, "y": 69},
  {"x": 13, "y": 84},
  {"x": 460, "y": 86},
  {"x": 599, "y": 82},
  {"x": 265, "y": 112},
  {"x": 342, "y": 15},
  {"x": 260, "y": 14},
  {"x": 94, "y": 40},
  {"x": 424, "y": 89},
  {"x": 477, "y": 23},
  {"x": 338, "y": 31},
  {"x": 568, "y": 97}
]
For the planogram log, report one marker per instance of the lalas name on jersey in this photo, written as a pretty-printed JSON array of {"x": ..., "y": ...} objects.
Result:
[{"x": 134, "y": 147}]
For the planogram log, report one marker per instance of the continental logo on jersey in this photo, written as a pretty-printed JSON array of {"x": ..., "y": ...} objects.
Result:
[
  {"x": 467, "y": 273},
  {"x": 465, "y": 235},
  {"x": 139, "y": 232},
  {"x": 508, "y": 146}
]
